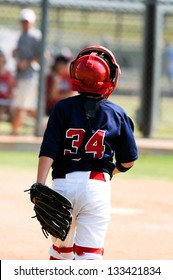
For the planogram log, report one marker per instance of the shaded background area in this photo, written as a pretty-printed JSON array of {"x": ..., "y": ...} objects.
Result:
[{"x": 131, "y": 29}]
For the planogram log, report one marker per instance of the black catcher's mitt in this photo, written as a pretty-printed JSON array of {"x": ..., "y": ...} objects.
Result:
[{"x": 52, "y": 210}]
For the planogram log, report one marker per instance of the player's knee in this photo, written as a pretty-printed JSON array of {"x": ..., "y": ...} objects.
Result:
[{"x": 86, "y": 253}]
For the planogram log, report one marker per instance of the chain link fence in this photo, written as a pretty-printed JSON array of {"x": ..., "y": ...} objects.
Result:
[{"x": 117, "y": 25}]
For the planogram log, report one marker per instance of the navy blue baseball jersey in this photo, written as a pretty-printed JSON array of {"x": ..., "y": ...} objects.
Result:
[{"x": 83, "y": 134}]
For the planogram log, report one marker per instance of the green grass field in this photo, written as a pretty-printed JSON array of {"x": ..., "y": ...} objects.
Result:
[
  {"x": 14, "y": 160},
  {"x": 147, "y": 166}
]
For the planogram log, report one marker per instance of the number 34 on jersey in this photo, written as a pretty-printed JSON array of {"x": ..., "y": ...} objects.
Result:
[{"x": 95, "y": 145}]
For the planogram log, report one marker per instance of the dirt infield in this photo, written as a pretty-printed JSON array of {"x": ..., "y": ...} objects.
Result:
[{"x": 141, "y": 226}]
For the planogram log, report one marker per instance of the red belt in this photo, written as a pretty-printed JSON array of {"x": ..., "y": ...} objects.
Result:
[
  {"x": 97, "y": 176},
  {"x": 93, "y": 175}
]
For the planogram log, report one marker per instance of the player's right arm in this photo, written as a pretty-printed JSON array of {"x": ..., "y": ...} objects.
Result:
[{"x": 122, "y": 167}]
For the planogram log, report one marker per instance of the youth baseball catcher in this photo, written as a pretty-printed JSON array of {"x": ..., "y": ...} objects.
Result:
[{"x": 88, "y": 139}]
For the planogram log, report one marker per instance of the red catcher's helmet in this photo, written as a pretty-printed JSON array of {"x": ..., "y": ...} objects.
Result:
[{"x": 95, "y": 71}]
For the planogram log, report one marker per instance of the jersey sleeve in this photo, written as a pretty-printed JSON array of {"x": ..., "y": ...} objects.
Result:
[
  {"x": 52, "y": 138},
  {"x": 126, "y": 148}
]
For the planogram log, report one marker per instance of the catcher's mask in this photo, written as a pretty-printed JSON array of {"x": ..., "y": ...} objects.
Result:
[{"x": 95, "y": 71}]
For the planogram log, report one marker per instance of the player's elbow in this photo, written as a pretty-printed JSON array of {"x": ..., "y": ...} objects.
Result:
[
  {"x": 123, "y": 167},
  {"x": 128, "y": 164}
]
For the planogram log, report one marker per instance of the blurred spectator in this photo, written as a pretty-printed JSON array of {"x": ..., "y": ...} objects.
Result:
[
  {"x": 7, "y": 84},
  {"x": 58, "y": 82},
  {"x": 169, "y": 62},
  {"x": 27, "y": 55}
]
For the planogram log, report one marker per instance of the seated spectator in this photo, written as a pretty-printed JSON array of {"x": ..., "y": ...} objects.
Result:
[
  {"x": 58, "y": 83},
  {"x": 7, "y": 83}
]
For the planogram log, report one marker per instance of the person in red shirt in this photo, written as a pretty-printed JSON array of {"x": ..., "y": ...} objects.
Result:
[
  {"x": 7, "y": 83},
  {"x": 58, "y": 82}
]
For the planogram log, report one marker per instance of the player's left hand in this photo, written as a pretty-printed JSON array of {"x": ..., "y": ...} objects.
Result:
[{"x": 52, "y": 210}]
